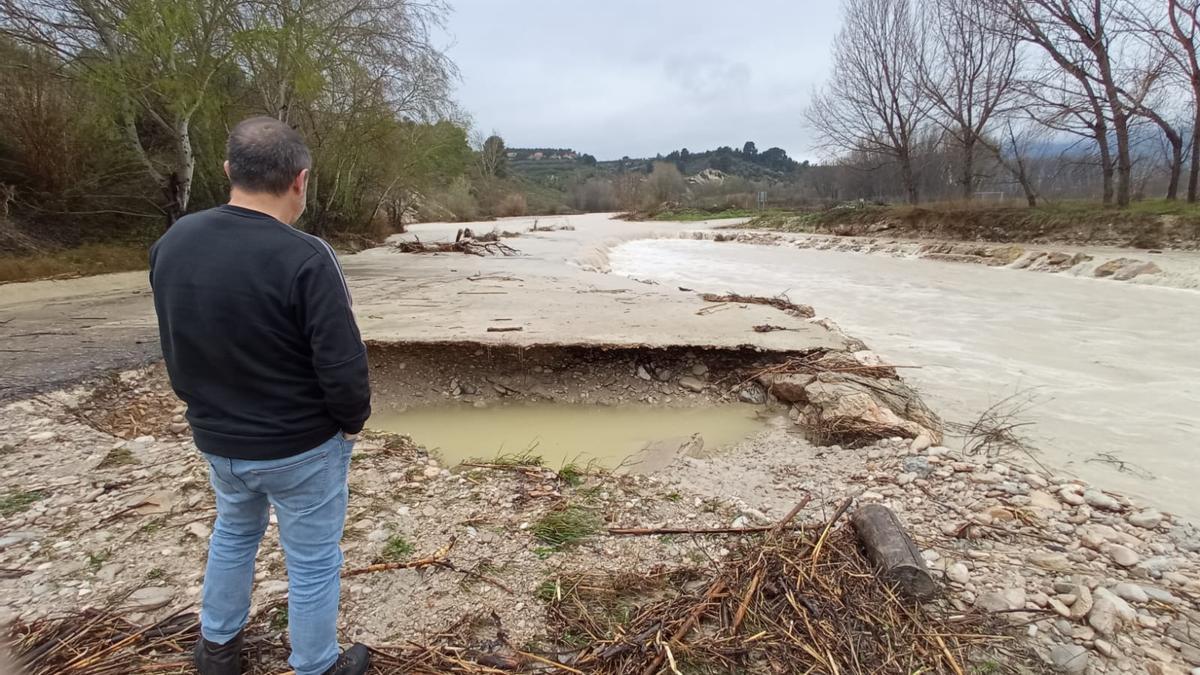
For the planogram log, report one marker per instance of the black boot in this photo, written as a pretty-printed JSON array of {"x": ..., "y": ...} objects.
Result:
[
  {"x": 353, "y": 661},
  {"x": 214, "y": 659}
]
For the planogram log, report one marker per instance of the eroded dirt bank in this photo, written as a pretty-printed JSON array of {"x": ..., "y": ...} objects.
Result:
[{"x": 106, "y": 504}]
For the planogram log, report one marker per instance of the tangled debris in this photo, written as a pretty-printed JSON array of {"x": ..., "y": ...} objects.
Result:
[
  {"x": 850, "y": 398},
  {"x": 468, "y": 245},
  {"x": 787, "y": 601},
  {"x": 779, "y": 302}
]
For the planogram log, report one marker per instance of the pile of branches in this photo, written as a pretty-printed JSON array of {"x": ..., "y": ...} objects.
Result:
[
  {"x": 794, "y": 601},
  {"x": 470, "y": 246},
  {"x": 819, "y": 361},
  {"x": 780, "y": 302},
  {"x": 790, "y": 599}
]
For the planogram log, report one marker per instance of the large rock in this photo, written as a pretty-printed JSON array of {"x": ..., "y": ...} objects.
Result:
[
  {"x": 851, "y": 408},
  {"x": 1148, "y": 519},
  {"x": 1098, "y": 500},
  {"x": 1123, "y": 269},
  {"x": 1071, "y": 659},
  {"x": 1109, "y": 613},
  {"x": 1121, "y": 555},
  {"x": 1083, "y": 602},
  {"x": 149, "y": 598},
  {"x": 788, "y": 387}
]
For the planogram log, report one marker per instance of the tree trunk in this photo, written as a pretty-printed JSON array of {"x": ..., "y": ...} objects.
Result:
[
  {"x": 1106, "y": 165},
  {"x": 1176, "y": 167},
  {"x": 892, "y": 550},
  {"x": 1194, "y": 171},
  {"x": 968, "y": 168},
  {"x": 910, "y": 181},
  {"x": 1124, "y": 160}
]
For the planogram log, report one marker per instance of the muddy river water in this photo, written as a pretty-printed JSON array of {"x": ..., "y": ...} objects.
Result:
[
  {"x": 637, "y": 438},
  {"x": 1113, "y": 368}
]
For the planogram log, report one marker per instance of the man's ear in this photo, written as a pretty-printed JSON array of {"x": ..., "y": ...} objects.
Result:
[
  {"x": 225, "y": 166},
  {"x": 301, "y": 182}
]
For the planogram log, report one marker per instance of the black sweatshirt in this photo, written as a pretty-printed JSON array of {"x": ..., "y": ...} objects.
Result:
[{"x": 258, "y": 334}]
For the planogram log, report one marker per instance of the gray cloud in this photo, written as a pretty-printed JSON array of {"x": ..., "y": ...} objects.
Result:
[{"x": 629, "y": 77}]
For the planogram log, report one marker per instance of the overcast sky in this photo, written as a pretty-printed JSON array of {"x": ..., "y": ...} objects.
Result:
[{"x": 638, "y": 77}]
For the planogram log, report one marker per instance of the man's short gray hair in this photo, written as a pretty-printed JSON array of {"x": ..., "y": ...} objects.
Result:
[{"x": 265, "y": 155}]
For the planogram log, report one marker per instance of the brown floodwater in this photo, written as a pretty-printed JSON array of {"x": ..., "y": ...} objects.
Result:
[{"x": 638, "y": 438}]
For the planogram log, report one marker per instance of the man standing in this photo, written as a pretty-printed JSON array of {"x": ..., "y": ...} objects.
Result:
[{"x": 260, "y": 342}]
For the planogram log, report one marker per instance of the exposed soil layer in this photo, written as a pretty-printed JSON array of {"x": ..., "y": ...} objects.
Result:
[
  {"x": 421, "y": 374},
  {"x": 1059, "y": 224}
]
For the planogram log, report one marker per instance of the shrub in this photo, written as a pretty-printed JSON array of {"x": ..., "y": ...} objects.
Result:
[{"x": 513, "y": 204}]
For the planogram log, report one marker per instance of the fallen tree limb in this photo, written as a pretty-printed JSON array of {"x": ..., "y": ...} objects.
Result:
[
  {"x": 468, "y": 246},
  {"x": 892, "y": 550},
  {"x": 779, "y": 302},
  {"x": 751, "y": 529}
]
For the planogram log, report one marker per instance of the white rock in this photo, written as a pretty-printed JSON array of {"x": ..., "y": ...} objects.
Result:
[
  {"x": 1083, "y": 602},
  {"x": 1044, "y": 500},
  {"x": 1130, "y": 592},
  {"x": 200, "y": 531},
  {"x": 1148, "y": 519},
  {"x": 921, "y": 443},
  {"x": 14, "y": 538},
  {"x": 1109, "y": 613},
  {"x": 149, "y": 598},
  {"x": 42, "y": 437},
  {"x": 1121, "y": 555},
  {"x": 1070, "y": 497},
  {"x": 274, "y": 587},
  {"x": 431, "y": 472},
  {"x": 905, "y": 478},
  {"x": 1071, "y": 659},
  {"x": 1098, "y": 500},
  {"x": 958, "y": 573}
]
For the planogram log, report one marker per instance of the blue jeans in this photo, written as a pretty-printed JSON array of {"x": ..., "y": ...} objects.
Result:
[{"x": 309, "y": 493}]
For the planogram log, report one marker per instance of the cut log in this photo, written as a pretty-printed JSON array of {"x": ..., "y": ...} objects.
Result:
[{"x": 893, "y": 551}]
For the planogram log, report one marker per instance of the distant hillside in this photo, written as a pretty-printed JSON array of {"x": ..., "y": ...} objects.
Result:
[{"x": 556, "y": 165}]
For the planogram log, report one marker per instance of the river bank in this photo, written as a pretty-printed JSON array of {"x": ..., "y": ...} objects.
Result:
[{"x": 94, "y": 477}]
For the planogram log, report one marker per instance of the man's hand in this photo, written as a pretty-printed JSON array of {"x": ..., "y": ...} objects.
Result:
[{"x": 350, "y": 437}]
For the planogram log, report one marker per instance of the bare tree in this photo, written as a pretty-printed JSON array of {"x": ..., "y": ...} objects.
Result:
[
  {"x": 968, "y": 72},
  {"x": 873, "y": 102},
  {"x": 1185, "y": 28},
  {"x": 1078, "y": 36}
]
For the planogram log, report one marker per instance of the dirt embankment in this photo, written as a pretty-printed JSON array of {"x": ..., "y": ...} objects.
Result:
[{"x": 1150, "y": 226}]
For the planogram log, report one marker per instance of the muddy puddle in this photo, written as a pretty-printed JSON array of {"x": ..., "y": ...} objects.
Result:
[{"x": 629, "y": 437}]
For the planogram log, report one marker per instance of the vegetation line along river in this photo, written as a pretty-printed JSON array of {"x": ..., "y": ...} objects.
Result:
[{"x": 1109, "y": 368}]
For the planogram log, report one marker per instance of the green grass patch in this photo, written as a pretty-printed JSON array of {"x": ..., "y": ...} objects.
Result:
[
  {"x": 572, "y": 474},
  {"x": 693, "y": 214},
  {"x": 85, "y": 260},
  {"x": 279, "y": 619},
  {"x": 16, "y": 501},
  {"x": 96, "y": 560},
  {"x": 116, "y": 457},
  {"x": 153, "y": 526},
  {"x": 523, "y": 458},
  {"x": 566, "y": 526},
  {"x": 396, "y": 549},
  {"x": 156, "y": 574}
]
